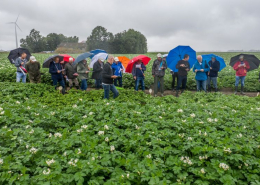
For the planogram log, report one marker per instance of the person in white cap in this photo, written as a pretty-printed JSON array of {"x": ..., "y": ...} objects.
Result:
[
  {"x": 33, "y": 69},
  {"x": 118, "y": 71},
  {"x": 97, "y": 73},
  {"x": 158, "y": 72},
  {"x": 71, "y": 73}
]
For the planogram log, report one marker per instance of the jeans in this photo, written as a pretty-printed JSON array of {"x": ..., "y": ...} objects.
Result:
[
  {"x": 137, "y": 81},
  {"x": 84, "y": 84},
  {"x": 119, "y": 79},
  {"x": 158, "y": 79},
  {"x": 19, "y": 76},
  {"x": 182, "y": 80},
  {"x": 108, "y": 88},
  {"x": 214, "y": 81},
  {"x": 201, "y": 83},
  {"x": 98, "y": 83},
  {"x": 174, "y": 76},
  {"x": 60, "y": 80},
  {"x": 242, "y": 78}
]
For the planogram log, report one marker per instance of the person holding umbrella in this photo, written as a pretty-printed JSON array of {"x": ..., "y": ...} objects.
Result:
[
  {"x": 138, "y": 74},
  {"x": 213, "y": 73},
  {"x": 83, "y": 71},
  {"x": 183, "y": 67},
  {"x": 108, "y": 77},
  {"x": 20, "y": 65},
  {"x": 158, "y": 72},
  {"x": 201, "y": 68},
  {"x": 117, "y": 70},
  {"x": 71, "y": 73},
  {"x": 97, "y": 72},
  {"x": 33, "y": 68},
  {"x": 241, "y": 67},
  {"x": 56, "y": 73}
]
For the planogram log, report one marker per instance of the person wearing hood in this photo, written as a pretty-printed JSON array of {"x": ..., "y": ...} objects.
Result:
[
  {"x": 83, "y": 71},
  {"x": 20, "y": 65},
  {"x": 97, "y": 72},
  {"x": 33, "y": 69},
  {"x": 201, "y": 69},
  {"x": 55, "y": 70},
  {"x": 158, "y": 72},
  {"x": 118, "y": 71}
]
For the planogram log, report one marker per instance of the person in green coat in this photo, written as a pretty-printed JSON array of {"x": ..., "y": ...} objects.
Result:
[
  {"x": 33, "y": 69},
  {"x": 83, "y": 70}
]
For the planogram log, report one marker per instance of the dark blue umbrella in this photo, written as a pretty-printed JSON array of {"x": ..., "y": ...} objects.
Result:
[
  {"x": 46, "y": 63},
  {"x": 177, "y": 54},
  {"x": 14, "y": 54},
  {"x": 97, "y": 51},
  {"x": 218, "y": 58},
  {"x": 81, "y": 57}
]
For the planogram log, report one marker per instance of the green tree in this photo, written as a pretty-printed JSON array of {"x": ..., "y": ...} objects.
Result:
[
  {"x": 52, "y": 41},
  {"x": 34, "y": 41},
  {"x": 100, "y": 39}
]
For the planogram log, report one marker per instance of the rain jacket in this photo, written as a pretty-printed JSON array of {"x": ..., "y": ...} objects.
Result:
[
  {"x": 215, "y": 68},
  {"x": 182, "y": 70},
  {"x": 156, "y": 70},
  {"x": 201, "y": 75},
  {"x": 107, "y": 73},
  {"x": 53, "y": 69},
  {"x": 117, "y": 69},
  {"x": 18, "y": 62},
  {"x": 69, "y": 71},
  {"x": 241, "y": 71},
  {"x": 33, "y": 69},
  {"x": 97, "y": 70},
  {"x": 81, "y": 70},
  {"x": 137, "y": 72}
]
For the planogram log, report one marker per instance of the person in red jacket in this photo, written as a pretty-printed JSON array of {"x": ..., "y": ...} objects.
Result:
[{"x": 241, "y": 68}]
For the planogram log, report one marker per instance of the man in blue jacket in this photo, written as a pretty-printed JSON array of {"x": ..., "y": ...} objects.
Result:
[
  {"x": 56, "y": 73},
  {"x": 138, "y": 74},
  {"x": 213, "y": 73},
  {"x": 201, "y": 68},
  {"x": 118, "y": 71},
  {"x": 20, "y": 64}
]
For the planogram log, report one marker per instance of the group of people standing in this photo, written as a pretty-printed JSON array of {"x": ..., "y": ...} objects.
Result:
[{"x": 109, "y": 75}]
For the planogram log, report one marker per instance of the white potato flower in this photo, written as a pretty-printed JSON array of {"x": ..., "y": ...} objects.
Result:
[
  {"x": 84, "y": 126},
  {"x": 224, "y": 166},
  {"x": 49, "y": 162},
  {"x": 180, "y": 111},
  {"x": 58, "y": 135},
  {"x": 202, "y": 170},
  {"x": 31, "y": 132},
  {"x": 106, "y": 127},
  {"x": 1, "y": 161},
  {"x": 112, "y": 148},
  {"x": 106, "y": 139},
  {"x": 101, "y": 132},
  {"x": 46, "y": 172},
  {"x": 192, "y": 115}
]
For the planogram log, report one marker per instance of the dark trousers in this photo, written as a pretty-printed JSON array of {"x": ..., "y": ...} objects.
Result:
[
  {"x": 60, "y": 80},
  {"x": 158, "y": 79},
  {"x": 182, "y": 80},
  {"x": 98, "y": 83},
  {"x": 174, "y": 76},
  {"x": 119, "y": 79}
]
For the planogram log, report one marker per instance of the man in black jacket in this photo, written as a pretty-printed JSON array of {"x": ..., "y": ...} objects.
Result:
[
  {"x": 97, "y": 72},
  {"x": 213, "y": 73},
  {"x": 183, "y": 67},
  {"x": 108, "y": 78}
]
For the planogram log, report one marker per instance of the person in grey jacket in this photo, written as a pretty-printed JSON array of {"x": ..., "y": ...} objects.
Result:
[
  {"x": 20, "y": 65},
  {"x": 97, "y": 72},
  {"x": 83, "y": 71},
  {"x": 158, "y": 72},
  {"x": 71, "y": 73}
]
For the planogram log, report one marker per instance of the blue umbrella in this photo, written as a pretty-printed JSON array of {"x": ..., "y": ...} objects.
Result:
[
  {"x": 82, "y": 56},
  {"x": 177, "y": 54},
  {"x": 97, "y": 51},
  {"x": 218, "y": 58}
]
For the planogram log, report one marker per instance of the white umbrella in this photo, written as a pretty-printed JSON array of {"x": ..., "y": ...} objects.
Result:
[{"x": 96, "y": 57}]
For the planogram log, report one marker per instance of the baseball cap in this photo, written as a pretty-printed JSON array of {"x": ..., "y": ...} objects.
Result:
[
  {"x": 159, "y": 55},
  {"x": 32, "y": 58},
  {"x": 116, "y": 59},
  {"x": 101, "y": 59}
]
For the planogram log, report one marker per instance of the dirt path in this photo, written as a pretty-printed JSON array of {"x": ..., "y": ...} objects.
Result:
[{"x": 227, "y": 91}]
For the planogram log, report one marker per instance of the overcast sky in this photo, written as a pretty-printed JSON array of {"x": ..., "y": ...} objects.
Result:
[{"x": 205, "y": 25}]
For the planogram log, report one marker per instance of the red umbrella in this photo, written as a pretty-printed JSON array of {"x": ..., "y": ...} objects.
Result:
[
  {"x": 66, "y": 57},
  {"x": 145, "y": 60}
]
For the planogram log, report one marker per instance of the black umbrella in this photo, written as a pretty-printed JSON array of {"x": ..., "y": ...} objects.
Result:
[
  {"x": 46, "y": 63},
  {"x": 14, "y": 54},
  {"x": 251, "y": 59}
]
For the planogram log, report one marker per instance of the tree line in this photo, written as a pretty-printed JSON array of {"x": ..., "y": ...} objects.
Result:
[{"x": 130, "y": 41}]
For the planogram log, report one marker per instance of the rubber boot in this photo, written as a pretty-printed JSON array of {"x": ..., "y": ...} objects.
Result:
[
  {"x": 77, "y": 87},
  {"x": 63, "y": 91},
  {"x": 216, "y": 89},
  {"x": 209, "y": 89},
  {"x": 177, "y": 93},
  {"x": 242, "y": 90},
  {"x": 235, "y": 90}
]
